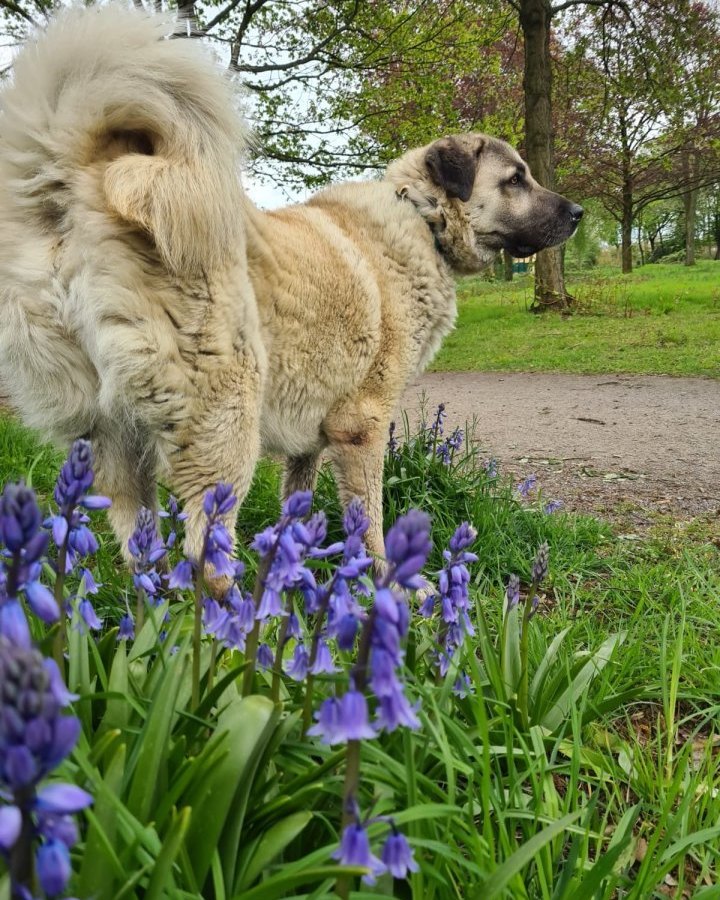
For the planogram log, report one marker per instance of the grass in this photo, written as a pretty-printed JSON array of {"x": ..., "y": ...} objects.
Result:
[
  {"x": 661, "y": 320},
  {"x": 628, "y": 788}
]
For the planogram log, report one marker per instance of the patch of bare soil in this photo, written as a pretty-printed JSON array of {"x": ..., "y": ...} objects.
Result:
[{"x": 631, "y": 449}]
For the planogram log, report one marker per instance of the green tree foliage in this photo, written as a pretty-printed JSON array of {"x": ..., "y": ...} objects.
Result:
[{"x": 651, "y": 87}]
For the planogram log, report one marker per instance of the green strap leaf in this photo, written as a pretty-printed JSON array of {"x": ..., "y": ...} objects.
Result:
[{"x": 502, "y": 876}]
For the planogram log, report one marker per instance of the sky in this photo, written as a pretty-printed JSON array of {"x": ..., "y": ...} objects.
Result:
[{"x": 264, "y": 193}]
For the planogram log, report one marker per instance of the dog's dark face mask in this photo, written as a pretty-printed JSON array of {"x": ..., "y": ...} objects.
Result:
[{"x": 491, "y": 202}]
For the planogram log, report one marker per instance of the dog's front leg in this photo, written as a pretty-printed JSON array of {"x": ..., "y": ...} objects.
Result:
[
  {"x": 358, "y": 459},
  {"x": 300, "y": 474}
]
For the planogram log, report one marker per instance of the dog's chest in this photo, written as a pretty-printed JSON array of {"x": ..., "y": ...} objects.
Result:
[{"x": 289, "y": 424}]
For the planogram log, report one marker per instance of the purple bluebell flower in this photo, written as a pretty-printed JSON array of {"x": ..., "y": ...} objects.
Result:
[
  {"x": 354, "y": 850},
  {"x": 329, "y": 728},
  {"x": 10, "y": 826},
  {"x": 323, "y": 660},
  {"x": 219, "y": 501},
  {"x": 455, "y": 440},
  {"x": 437, "y": 427},
  {"x": 243, "y": 609},
  {"x": 407, "y": 546},
  {"x": 213, "y": 617},
  {"x": 34, "y": 738},
  {"x": 397, "y": 855},
  {"x": 230, "y": 621},
  {"x": 219, "y": 544},
  {"x": 25, "y": 545},
  {"x": 53, "y": 867},
  {"x": 126, "y": 629},
  {"x": 392, "y": 444},
  {"x": 265, "y": 658},
  {"x": 491, "y": 467},
  {"x": 527, "y": 485},
  {"x": 297, "y": 669},
  {"x": 540, "y": 565},
  {"x": 427, "y": 607},
  {"x": 147, "y": 549},
  {"x": 69, "y": 525},
  {"x": 355, "y": 716},
  {"x": 342, "y": 720},
  {"x": 512, "y": 593},
  {"x": 87, "y": 615},
  {"x": 463, "y": 537},
  {"x": 271, "y": 604},
  {"x": 395, "y": 710},
  {"x": 462, "y": 686},
  {"x": 346, "y": 631},
  {"x": 553, "y": 506},
  {"x": 444, "y": 453},
  {"x": 293, "y": 627},
  {"x": 264, "y": 541},
  {"x": 298, "y": 505},
  {"x": 288, "y": 544},
  {"x": 174, "y": 517},
  {"x": 181, "y": 577}
]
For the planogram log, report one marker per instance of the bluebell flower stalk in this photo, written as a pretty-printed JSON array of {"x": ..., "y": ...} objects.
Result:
[
  {"x": 392, "y": 443},
  {"x": 280, "y": 567},
  {"x": 69, "y": 526},
  {"x": 36, "y": 828},
  {"x": 407, "y": 546},
  {"x": 538, "y": 574},
  {"x": 334, "y": 596},
  {"x": 216, "y": 549},
  {"x": 453, "y": 596}
]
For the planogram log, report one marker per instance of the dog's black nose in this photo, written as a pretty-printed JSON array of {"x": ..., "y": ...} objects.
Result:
[{"x": 576, "y": 212}]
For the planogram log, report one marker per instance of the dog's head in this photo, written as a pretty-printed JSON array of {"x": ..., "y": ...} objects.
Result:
[{"x": 478, "y": 197}]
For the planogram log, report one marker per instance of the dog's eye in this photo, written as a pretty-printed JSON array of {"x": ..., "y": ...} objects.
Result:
[{"x": 514, "y": 180}]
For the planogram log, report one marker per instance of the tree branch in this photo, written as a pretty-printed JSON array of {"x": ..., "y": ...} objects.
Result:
[{"x": 18, "y": 10}]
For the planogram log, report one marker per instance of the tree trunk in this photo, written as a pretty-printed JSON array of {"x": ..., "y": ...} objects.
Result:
[
  {"x": 626, "y": 227},
  {"x": 690, "y": 205},
  {"x": 640, "y": 245},
  {"x": 507, "y": 266},
  {"x": 535, "y": 17}
]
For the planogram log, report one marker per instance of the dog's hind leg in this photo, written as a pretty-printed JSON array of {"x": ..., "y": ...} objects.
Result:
[
  {"x": 125, "y": 470},
  {"x": 300, "y": 474},
  {"x": 220, "y": 444},
  {"x": 357, "y": 450}
]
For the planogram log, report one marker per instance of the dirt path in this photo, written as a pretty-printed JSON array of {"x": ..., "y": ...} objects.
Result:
[{"x": 626, "y": 447}]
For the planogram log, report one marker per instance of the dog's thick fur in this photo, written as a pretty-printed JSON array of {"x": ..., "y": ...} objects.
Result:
[
  {"x": 355, "y": 291},
  {"x": 125, "y": 307},
  {"x": 147, "y": 305}
]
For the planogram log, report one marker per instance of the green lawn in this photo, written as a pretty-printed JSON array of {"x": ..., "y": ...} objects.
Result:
[{"x": 660, "y": 320}]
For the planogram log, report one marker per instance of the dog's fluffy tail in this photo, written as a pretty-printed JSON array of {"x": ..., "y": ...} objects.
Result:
[{"x": 107, "y": 115}]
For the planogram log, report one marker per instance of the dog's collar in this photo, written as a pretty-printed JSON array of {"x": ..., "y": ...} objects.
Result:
[{"x": 403, "y": 193}]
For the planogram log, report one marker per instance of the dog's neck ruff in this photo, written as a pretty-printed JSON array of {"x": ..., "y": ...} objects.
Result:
[{"x": 418, "y": 204}]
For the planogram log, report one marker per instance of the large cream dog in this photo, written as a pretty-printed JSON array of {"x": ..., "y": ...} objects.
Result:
[
  {"x": 355, "y": 291},
  {"x": 146, "y": 304},
  {"x": 126, "y": 314}
]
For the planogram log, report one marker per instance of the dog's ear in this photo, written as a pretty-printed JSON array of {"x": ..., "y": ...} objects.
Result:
[{"x": 452, "y": 168}]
